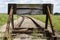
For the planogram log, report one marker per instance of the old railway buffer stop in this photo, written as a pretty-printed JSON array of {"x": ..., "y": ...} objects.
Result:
[{"x": 31, "y": 9}]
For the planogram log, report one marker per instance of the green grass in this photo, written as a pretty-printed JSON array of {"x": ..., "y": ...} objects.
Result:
[
  {"x": 55, "y": 18},
  {"x": 4, "y": 18}
]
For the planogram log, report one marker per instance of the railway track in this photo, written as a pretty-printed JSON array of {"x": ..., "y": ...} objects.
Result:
[
  {"x": 28, "y": 28},
  {"x": 31, "y": 31}
]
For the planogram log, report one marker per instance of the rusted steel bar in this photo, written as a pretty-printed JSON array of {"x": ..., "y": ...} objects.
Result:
[
  {"x": 30, "y": 8},
  {"x": 19, "y": 24},
  {"x": 50, "y": 19},
  {"x": 8, "y": 24},
  {"x": 46, "y": 26},
  {"x": 51, "y": 23},
  {"x": 46, "y": 23},
  {"x": 12, "y": 21}
]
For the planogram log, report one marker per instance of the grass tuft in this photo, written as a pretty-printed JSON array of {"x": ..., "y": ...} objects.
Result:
[{"x": 55, "y": 19}]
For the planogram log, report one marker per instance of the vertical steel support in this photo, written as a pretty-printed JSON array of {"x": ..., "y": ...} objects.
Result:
[
  {"x": 46, "y": 22},
  {"x": 46, "y": 26},
  {"x": 51, "y": 23},
  {"x": 12, "y": 21},
  {"x": 8, "y": 24},
  {"x": 50, "y": 19}
]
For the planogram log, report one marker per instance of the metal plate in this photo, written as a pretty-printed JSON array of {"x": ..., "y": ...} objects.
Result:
[{"x": 30, "y": 9}]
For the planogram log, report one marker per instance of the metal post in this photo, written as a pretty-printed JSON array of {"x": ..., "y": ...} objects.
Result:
[
  {"x": 51, "y": 23},
  {"x": 50, "y": 19},
  {"x": 46, "y": 22},
  {"x": 12, "y": 21},
  {"x": 8, "y": 24},
  {"x": 46, "y": 26}
]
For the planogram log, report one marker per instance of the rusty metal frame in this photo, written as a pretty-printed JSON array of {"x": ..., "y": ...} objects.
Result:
[
  {"x": 8, "y": 24},
  {"x": 48, "y": 16}
]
